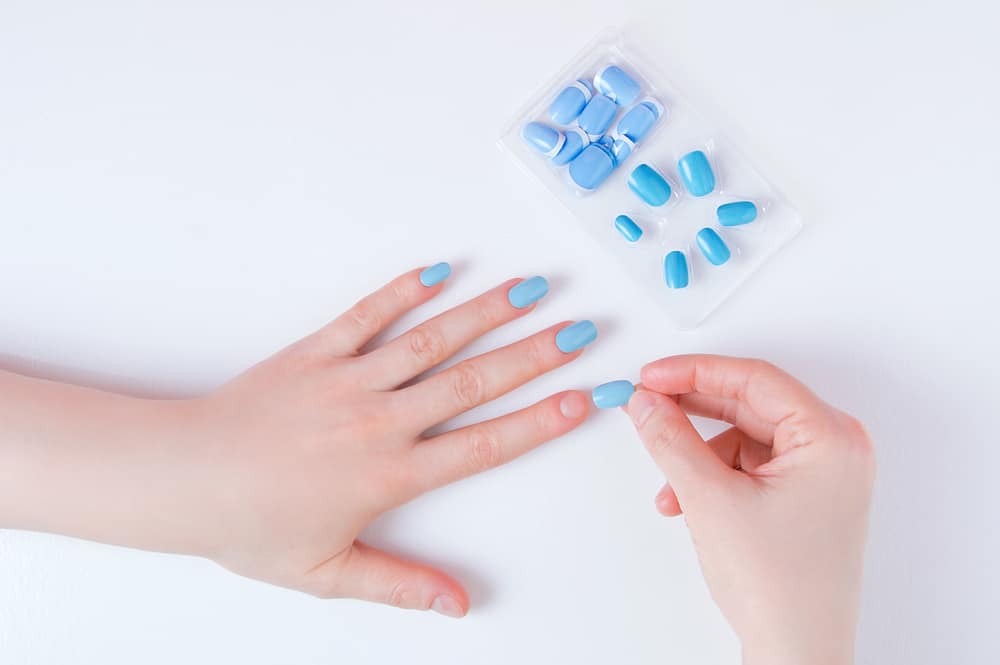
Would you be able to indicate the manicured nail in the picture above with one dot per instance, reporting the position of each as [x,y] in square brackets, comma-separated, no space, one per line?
[529,291]
[436,274]
[573,405]
[612,394]
[576,336]
[640,407]
[447,606]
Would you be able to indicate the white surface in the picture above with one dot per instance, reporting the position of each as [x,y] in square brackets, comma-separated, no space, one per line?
[184,189]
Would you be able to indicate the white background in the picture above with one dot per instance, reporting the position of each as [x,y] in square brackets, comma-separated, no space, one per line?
[185,187]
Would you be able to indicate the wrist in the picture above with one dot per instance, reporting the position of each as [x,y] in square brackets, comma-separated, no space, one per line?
[800,650]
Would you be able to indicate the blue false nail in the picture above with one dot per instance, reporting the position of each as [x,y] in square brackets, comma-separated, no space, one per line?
[546,140]
[592,166]
[576,141]
[712,246]
[737,213]
[435,274]
[616,84]
[597,115]
[576,336]
[675,270]
[612,394]
[567,106]
[628,228]
[529,291]
[696,173]
[649,185]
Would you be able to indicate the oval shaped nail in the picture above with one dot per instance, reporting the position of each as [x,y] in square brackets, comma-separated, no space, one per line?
[611,394]
[696,173]
[712,246]
[649,185]
[736,213]
[568,104]
[546,140]
[592,166]
[527,292]
[576,336]
[617,85]
[576,141]
[628,228]
[435,274]
[675,270]
[597,115]
[638,121]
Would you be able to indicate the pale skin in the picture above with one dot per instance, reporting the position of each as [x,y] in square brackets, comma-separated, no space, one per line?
[276,473]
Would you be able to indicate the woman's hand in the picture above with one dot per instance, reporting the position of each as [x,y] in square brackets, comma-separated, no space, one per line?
[777,505]
[274,475]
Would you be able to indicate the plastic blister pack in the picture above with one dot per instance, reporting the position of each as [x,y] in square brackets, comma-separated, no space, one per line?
[655,181]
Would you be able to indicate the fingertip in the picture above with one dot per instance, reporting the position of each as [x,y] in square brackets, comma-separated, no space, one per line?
[574,406]
[641,405]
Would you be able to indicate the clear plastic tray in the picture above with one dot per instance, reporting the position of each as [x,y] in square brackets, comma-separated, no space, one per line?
[673,226]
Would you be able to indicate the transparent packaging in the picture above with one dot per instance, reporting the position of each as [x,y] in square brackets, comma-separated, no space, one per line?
[672,226]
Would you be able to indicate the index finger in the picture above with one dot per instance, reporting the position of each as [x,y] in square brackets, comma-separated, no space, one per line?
[769,393]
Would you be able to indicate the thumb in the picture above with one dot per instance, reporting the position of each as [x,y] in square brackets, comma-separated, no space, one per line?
[674,444]
[366,573]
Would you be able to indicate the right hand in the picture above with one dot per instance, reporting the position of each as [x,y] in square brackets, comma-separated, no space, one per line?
[777,505]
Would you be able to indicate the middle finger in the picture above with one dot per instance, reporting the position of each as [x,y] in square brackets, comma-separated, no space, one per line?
[484,378]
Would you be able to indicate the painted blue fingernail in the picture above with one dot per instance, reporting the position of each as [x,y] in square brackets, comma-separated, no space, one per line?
[530,290]
[576,336]
[638,121]
[597,115]
[576,141]
[712,246]
[592,166]
[567,106]
[649,185]
[696,173]
[675,270]
[628,228]
[436,274]
[617,85]
[736,213]
[611,394]
[546,140]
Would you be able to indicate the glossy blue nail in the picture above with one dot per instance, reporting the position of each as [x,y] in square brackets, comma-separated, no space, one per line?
[675,270]
[435,274]
[638,121]
[543,138]
[576,336]
[712,246]
[649,185]
[611,394]
[696,173]
[736,213]
[529,291]
[576,141]
[616,84]
[628,228]
[592,166]
[597,115]
[567,106]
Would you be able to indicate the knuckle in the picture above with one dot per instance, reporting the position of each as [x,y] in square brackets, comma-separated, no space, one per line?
[537,355]
[366,317]
[489,311]
[400,290]
[484,450]
[427,345]
[467,385]
[398,595]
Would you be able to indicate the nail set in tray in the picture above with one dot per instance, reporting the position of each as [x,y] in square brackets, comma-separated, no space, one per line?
[652,179]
